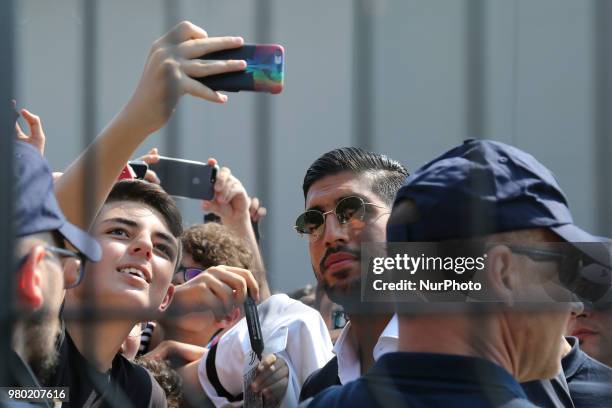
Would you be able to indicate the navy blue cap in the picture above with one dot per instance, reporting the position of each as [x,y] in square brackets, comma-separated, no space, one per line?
[483,187]
[37,209]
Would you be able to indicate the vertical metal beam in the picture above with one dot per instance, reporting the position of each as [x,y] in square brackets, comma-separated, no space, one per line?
[515,73]
[89,92]
[363,72]
[7,130]
[173,146]
[602,94]
[475,91]
[475,81]
[262,118]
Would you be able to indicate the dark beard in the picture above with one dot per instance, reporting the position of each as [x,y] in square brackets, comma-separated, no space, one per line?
[349,297]
[40,336]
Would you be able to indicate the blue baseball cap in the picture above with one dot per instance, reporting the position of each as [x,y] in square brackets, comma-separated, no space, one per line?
[483,187]
[37,209]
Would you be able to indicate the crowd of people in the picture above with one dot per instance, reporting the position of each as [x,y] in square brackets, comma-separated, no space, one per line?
[125,306]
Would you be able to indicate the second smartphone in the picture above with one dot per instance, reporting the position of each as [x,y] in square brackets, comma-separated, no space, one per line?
[186,178]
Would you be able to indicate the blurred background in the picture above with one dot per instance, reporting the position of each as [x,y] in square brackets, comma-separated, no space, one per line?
[409,78]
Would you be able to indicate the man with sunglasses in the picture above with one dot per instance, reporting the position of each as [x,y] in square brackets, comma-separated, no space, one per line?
[348,194]
[44,267]
[475,354]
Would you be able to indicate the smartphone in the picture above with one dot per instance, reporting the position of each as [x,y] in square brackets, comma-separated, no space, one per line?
[140,168]
[127,173]
[264,71]
[186,178]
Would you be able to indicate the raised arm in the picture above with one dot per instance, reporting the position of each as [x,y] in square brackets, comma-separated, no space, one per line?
[233,205]
[166,77]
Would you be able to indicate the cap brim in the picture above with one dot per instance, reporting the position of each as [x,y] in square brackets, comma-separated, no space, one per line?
[596,248]
[82,241]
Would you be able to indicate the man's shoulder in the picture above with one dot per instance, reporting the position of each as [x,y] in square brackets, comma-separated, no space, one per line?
[592,369]
[367,392]
[321,379]
[590,382]
[402,379]
[354,394]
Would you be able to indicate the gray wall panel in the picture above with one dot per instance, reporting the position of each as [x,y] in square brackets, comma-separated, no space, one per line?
[555,96]
[538,89]
[311,117]
[420,107]
[48,72]
[221,131]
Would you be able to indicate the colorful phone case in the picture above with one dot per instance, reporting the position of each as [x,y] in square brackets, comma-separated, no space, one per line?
[264,72]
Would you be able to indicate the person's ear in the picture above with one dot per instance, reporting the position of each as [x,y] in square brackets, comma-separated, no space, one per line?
[502,279]
[30,279]
[71,272]
[167,299]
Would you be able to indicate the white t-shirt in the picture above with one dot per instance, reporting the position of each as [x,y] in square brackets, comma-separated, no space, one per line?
[290,329]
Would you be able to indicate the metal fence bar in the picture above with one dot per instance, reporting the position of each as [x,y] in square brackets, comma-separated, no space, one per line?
[173,146]
[7,130]
[89,76]
[475,81]
[89,95]
[262,118]
[602,126]
[515,68]
[362,76]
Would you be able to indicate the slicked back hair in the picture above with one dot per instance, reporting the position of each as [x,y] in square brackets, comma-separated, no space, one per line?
[387,175]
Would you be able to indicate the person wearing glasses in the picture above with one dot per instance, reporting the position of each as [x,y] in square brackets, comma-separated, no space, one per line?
[45,268]
[499,198]
[348,194]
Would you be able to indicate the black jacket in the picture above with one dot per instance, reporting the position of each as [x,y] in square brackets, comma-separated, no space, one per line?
[321,379]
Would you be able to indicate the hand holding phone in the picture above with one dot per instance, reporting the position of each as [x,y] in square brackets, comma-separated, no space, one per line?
[186,178]
[264,71]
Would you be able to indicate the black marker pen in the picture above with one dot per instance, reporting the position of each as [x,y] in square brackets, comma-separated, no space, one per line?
[252,319]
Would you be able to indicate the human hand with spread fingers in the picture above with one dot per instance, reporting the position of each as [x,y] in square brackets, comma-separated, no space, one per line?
[170,71]
[36,137]
[219,289]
